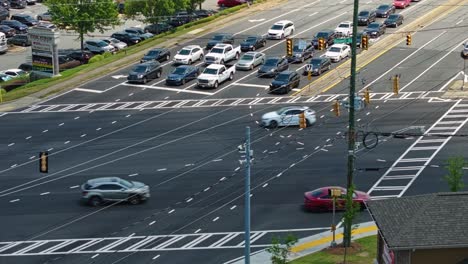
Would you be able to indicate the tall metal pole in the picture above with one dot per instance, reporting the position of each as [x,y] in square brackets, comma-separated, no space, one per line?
[247,196]
[351,130]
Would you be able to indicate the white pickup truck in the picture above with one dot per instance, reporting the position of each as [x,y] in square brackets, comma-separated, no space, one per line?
[214,75]
[222,53]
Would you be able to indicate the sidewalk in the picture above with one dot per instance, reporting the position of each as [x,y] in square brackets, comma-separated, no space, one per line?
[312,244]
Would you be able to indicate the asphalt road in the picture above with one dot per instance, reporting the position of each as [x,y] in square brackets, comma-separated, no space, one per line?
[188,155]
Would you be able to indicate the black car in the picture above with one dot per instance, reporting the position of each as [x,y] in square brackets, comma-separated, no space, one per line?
[327,34]
[158,54]
[19,4]
[158,28]
[82,56]
[182,74]
[220,38]
[181,18]
[25,19]
[394,20]
[285,82]
[253,42]
[139,32]
[365,17]
[202,13]
[302,50]
[317,66]
[384,10]
[5,4]
[20,40]
[143,72]
[375,30]
[18,26]
[8,31]
[273,66]
[128,38]
[4,13]
[27,67]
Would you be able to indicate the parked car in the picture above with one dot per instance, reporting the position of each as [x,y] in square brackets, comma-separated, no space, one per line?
[128,38]
[328,35]
[375,30]
[365,17]
[158,54]
[5,77]
[394,20]
[230,3]
[158,28]
[139,32]
[20,40]
[202,13]
[181,18]
[214,75]
[25,19]
[252,43]
[98,46]
[4,13]
[273,66]
[5,4]
[189,54]
[384,10]
[46,16]
[66,62]
[143,72]
[321,199]
[401,3]
[250,60]
[284,82]
[8,31]
[31,2]
[288,116]
[221,38]
[318,66]
[281,29]
[464,52]
[182,74]
[82,57]
[15,73]
[302,50]
[46,24]
[113,189]
[27,67]
[117,44]
[18,26]
[222,53]
[337,52]
[345,28]
[19,4]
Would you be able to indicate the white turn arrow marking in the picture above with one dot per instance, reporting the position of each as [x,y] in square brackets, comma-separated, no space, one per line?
[119,76]
[256,20]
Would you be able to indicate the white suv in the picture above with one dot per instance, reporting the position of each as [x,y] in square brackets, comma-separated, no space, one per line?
[281,29]
[189,54]
[288,116]
[345,28]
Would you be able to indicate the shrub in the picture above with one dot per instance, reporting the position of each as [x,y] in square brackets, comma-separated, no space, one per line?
[96,58]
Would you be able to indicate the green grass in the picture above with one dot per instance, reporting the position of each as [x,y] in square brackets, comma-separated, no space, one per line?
[365,256]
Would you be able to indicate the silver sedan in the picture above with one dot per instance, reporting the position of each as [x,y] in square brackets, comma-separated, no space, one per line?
[250,60]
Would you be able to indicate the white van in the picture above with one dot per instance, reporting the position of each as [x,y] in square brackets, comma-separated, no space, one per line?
[3,43]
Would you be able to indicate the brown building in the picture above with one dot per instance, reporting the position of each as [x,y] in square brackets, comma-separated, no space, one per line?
[422,229]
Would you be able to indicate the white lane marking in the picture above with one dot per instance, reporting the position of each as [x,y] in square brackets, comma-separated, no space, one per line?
[189,200]
[171,211]
[14,165]
[216,219]
[381,160]
[94,256]
[169,89]
[29,137]
[251,85]
[133,175]
[45,131]
[84,135]
[74,186]
[76,118]
[45,193]
[189,164]
[128,115]
[313,14]
[256,20]
[14,200]
[152,223]
[131,94]
[196,231]
[459,22]
[116,100]
[113,122]
[50,149]
[206,189]
[216,160]
[163,169]
[233,207]
[265,185]
[66,142]
[61,124]
[157,256]
[450,81]
[32,157]
[97,129]
[222,179]
[279,175]
[11,144]
[88,90]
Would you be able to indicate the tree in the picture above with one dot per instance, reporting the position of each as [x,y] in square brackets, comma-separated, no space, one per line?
[154,11]
[195,3]
[454,177]
[84,16]
[280,250]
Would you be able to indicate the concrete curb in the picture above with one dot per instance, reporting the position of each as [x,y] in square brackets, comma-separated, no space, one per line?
[114,66]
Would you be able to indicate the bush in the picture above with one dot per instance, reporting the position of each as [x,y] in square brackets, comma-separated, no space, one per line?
[107,54]
[96,58]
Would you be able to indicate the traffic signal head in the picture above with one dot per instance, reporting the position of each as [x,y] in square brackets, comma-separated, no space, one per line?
[321,43]
[336,107]
[309,75]
[367,96]
[364,42]
[43,162]
[408,39]
[396,84]
[289,47]
[302,120]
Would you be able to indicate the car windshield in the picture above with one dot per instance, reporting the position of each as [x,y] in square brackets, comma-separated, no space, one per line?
[282,77]
[210,71]
[217,50]
[139,69]
[179,71]
[322,35]
[154,53]
[383,7]
[125,183]
[315,62]
[218,37]
[101,44]
[364,13]
[247,57]
[335,49]
[277,27]
[372,25]
[393,17]
[316,193]
[343,25]
[298,48]
[114,40]
[282,110]
[184,52]
[251,39]
[271,62]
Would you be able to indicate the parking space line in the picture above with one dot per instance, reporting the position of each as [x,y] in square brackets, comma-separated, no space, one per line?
[88,90]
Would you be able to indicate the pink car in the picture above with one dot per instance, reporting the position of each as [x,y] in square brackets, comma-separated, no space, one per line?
[320,199]
[401,3]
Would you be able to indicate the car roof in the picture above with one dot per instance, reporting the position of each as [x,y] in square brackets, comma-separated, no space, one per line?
[346,22]
[287,72]
[103,180]
[222,45]
[14,70]
[191,47]
[147,63]
[253,53]
[326,31]
[339,45]
[223,34]
[21,15]
[215,66]
[293,107]
[283,22]
[185,67]
[274,58]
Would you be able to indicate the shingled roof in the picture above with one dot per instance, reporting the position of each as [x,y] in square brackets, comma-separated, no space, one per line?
[438,220]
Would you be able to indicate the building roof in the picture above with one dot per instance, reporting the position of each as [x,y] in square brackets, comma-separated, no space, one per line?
[435,220]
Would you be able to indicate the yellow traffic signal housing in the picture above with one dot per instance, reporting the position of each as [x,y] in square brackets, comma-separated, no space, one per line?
[309,75]
[364,42]
[336,107]
[289,47]
[396,84]
[408,39]
[321,43]
[43,162]
[367,96]
[302,120]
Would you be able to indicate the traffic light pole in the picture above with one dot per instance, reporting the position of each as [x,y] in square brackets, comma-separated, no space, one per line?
[351,129]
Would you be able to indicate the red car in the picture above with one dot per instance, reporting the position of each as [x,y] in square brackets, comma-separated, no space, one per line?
[321,200]
[401,3]
[230,3]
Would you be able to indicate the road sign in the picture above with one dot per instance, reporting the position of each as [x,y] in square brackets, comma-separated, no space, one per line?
[308,67]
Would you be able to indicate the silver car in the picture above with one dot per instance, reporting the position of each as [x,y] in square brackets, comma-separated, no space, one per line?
[250,60]
[98,46]
[117,44]
[113,189]
[47,16]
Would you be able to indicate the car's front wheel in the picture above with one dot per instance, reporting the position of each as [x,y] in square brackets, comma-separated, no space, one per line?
[273,124]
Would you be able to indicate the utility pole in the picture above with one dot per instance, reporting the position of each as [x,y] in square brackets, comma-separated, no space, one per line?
[351,131]
[247,196]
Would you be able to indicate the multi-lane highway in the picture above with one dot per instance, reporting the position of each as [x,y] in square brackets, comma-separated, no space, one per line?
[182,141]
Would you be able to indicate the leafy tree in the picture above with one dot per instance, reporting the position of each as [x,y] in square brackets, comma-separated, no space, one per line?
[280,250]
[196,3]
[84,16]
[154,11]
[350,213]
[454,177]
